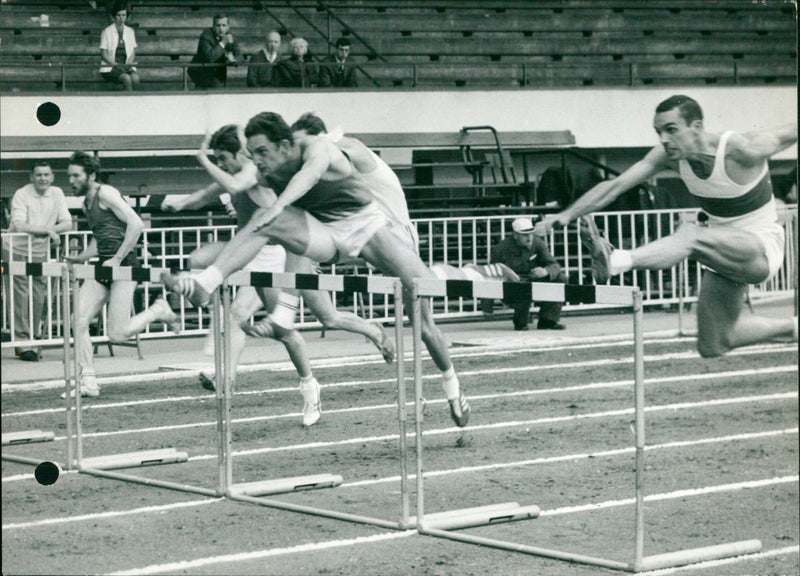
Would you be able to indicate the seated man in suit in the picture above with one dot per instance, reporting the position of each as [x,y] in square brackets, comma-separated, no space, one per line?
[527,255]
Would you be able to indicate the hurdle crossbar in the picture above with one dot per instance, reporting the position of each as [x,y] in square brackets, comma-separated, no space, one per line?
[253,492]
[443,524]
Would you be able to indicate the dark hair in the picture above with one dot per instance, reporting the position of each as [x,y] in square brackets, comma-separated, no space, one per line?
[688,107]
[89,163]
[311,123]
[219,17]
[119,7]
[342,42]
[271,125]
[226,139]
[40,164]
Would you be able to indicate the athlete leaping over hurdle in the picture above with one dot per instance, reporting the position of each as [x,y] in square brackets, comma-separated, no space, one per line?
[743,243]
[324,211]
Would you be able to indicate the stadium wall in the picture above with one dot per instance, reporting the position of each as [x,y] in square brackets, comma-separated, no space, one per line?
[599,118]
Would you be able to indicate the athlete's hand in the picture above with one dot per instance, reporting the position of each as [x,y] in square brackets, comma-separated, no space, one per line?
[538,273]
[548,223]
[114,261]
[204,150]
[55,239]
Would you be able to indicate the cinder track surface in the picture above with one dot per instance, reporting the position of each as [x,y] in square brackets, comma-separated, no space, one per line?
[550,426]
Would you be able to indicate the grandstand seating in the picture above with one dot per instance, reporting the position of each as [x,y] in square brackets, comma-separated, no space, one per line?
[504,43]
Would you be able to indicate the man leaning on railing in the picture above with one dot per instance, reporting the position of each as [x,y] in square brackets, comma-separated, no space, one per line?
[38,209]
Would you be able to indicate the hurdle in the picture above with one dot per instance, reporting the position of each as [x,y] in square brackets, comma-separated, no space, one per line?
[254,492]
[443,524]
[103,466]
[52,270]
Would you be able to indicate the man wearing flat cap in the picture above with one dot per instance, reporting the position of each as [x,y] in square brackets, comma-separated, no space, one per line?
[527,255]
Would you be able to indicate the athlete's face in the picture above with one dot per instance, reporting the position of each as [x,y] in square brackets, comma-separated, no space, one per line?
[42,177]
[79,180]
[227,161]
[676,136]
[267,155]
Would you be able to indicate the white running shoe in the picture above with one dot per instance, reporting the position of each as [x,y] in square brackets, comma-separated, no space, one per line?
[89,387]
[311,402]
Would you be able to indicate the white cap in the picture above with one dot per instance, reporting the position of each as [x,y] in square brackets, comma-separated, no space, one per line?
[522,225]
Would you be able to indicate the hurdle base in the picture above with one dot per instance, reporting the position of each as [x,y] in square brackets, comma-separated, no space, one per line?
[697,555]
[26,437]
[480,516]
[134,459]
[284,485]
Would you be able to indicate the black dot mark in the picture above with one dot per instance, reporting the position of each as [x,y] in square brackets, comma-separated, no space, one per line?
[47,473]
[48,114]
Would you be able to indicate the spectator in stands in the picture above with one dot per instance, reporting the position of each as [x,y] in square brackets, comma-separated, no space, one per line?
[297,71]
[336,71]
[527,255]
[40,210]
[259,69]
[118,51]
[217,49]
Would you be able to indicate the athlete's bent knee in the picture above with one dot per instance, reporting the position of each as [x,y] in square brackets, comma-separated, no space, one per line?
[118,337]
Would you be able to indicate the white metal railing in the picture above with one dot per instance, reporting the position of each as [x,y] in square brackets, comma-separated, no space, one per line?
[454,241]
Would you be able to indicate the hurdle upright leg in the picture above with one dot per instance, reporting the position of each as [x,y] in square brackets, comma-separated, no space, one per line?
[256,492]
[402,410]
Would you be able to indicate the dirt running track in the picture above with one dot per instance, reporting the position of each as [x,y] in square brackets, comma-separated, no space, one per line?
[550,427]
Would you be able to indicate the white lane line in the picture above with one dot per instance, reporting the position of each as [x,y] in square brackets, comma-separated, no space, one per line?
[455,430]
[259,554]
[703,491]
[514,424]
[113,514]
[318,546]
[582,456]
[693,379]
[382,381]
[160,377]
[725,561]
[436,473]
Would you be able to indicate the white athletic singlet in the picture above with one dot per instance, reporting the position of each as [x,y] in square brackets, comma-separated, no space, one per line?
[749,207]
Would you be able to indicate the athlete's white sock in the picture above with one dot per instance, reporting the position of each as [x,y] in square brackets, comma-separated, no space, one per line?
[619,262]
[210,278]
[308,388]
[450,384]
[285,310]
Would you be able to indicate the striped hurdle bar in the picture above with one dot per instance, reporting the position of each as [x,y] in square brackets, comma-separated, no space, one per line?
[443,524]
[52,270]
[254,492]
[103,466]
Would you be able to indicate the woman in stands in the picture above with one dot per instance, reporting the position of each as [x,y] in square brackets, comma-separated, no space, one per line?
[118,51]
